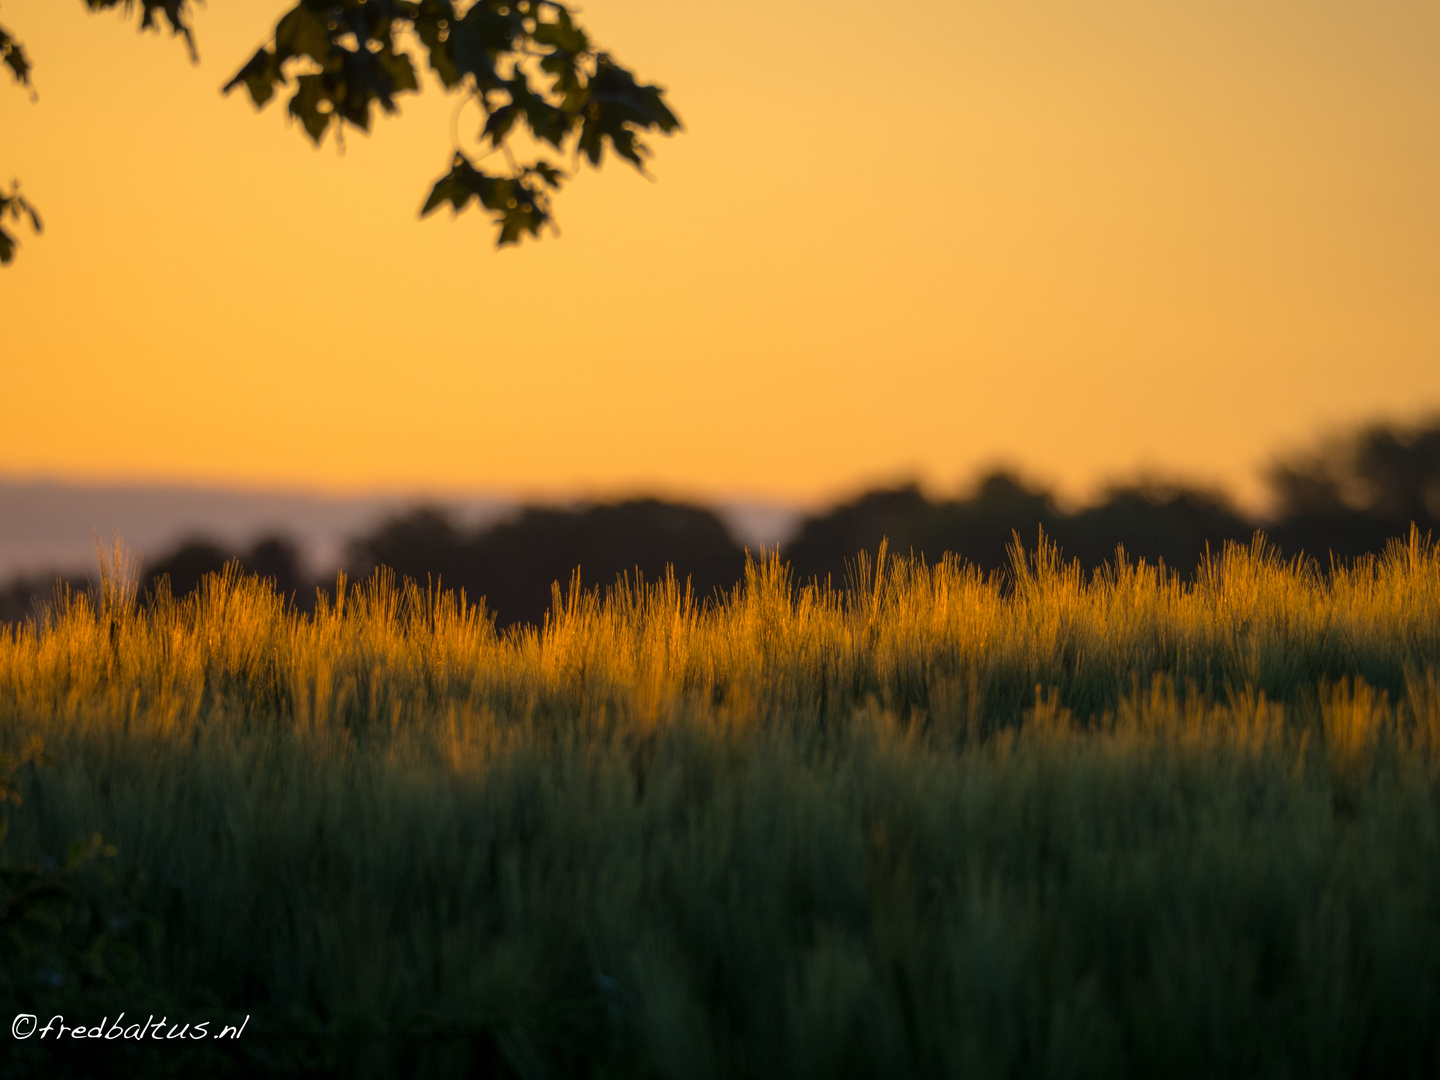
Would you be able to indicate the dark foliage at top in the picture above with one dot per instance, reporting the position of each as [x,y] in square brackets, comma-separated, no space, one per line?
[526,64]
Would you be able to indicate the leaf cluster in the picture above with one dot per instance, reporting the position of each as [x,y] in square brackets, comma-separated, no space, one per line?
[15,206]
[526,64]
[174,12]
[12,55]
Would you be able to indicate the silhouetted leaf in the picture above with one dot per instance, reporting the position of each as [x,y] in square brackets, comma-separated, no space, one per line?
[478,40]
[360,84]
[434,34]
[301,33]
[13,55]
[500,123]
[562,34]
[307,104]
[457,187]
[548,173]
[401,71]
[176,13]
[259,76]
[519,206]
[16,207]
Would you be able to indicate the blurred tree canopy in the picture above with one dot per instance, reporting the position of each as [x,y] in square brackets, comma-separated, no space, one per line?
[1359,487]
[1390,472]
[514,564]
[532,70]
[1338,500]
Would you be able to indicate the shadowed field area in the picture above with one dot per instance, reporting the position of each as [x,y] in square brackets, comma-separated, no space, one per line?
[932,823]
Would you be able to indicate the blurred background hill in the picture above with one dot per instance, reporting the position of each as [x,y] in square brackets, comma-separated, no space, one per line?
[1345,495]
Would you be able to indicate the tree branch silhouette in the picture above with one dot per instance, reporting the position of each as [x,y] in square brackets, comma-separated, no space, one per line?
[532,70]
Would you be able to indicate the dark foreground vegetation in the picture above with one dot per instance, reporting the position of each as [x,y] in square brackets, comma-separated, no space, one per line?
[1342,499]
[937,823]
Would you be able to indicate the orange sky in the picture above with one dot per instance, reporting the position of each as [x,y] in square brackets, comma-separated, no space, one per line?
[901,239]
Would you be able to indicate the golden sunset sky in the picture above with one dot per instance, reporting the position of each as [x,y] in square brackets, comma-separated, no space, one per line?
[901,239]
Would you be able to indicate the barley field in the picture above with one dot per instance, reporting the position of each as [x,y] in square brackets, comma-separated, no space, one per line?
[922,822]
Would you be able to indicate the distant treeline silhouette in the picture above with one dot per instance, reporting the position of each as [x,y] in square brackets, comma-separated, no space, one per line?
[1343,498]
[514,563]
